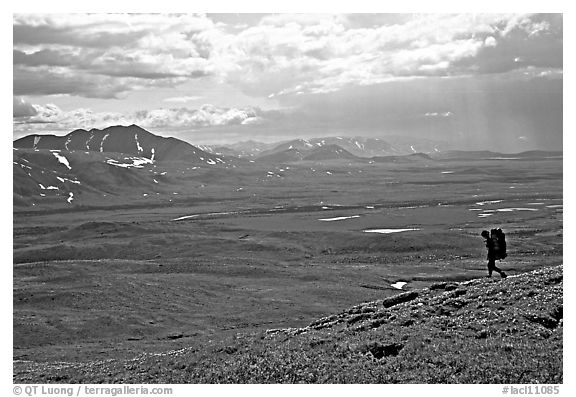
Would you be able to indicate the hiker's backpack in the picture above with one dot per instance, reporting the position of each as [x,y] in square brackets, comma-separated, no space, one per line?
[499,239]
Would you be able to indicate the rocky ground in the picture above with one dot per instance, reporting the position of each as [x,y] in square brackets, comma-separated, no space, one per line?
[486,330]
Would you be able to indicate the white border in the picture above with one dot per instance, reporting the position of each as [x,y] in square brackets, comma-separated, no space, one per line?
[60,6]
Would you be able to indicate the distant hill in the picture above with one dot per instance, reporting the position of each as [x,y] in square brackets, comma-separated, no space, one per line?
[357,146]
[329,152]
[65,178]
[302,152]
[489,155]
[285,156]
[84,167]
[410,158]
[365,147]
[131,140]
[296,145]
[332,152]
[466,154]
[540,154]
[248,148]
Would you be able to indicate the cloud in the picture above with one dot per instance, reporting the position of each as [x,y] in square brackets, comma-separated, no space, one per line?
[106,55]
[45,57]
[438,114]
[534,41]
[105,30]
[44,81]
[474,112]
[126,64]
[55,119]
[21,108]
[548,73]
[292,55]
[182,99]
[205,116]
[490,42]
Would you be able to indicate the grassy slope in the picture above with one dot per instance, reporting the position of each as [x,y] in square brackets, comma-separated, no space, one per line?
[480,331]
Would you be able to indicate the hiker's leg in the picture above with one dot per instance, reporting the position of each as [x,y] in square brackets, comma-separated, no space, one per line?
[498,270]
[490,267]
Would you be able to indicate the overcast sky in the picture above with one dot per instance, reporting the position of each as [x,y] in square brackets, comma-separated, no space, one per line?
[480,81]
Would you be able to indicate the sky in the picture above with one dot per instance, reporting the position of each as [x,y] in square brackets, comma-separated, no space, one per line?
[476,81]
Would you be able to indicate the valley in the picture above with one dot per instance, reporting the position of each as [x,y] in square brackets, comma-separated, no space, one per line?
[163,255]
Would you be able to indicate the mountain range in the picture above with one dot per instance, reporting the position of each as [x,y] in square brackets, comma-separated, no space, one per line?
[131,140]
[357,146]
[85,166]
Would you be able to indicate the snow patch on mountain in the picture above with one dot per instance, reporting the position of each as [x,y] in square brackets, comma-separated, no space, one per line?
[140,150]
[88,141]
[22,165]
[62,159]
[102,143]
[130,162]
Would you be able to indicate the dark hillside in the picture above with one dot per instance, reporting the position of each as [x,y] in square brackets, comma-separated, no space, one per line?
[131,140]
[480,331]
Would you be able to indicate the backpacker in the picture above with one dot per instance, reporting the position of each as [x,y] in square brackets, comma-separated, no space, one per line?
[499,239]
